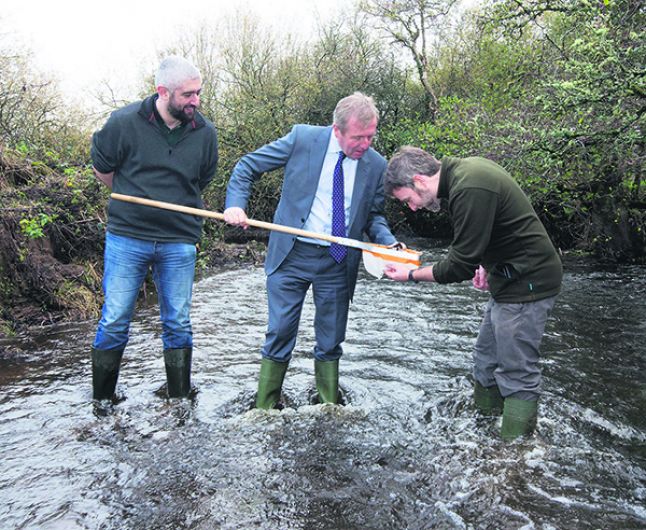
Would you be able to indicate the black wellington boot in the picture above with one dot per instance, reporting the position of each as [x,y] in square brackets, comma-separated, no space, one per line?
[105,371]
[178,371]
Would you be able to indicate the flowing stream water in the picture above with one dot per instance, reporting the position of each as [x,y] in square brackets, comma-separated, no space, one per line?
[407,450]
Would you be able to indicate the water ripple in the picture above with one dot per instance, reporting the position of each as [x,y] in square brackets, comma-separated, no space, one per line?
[408,451]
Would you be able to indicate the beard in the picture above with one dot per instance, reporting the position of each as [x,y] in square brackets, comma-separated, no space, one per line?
[431,203]
[433,206]
[183,114]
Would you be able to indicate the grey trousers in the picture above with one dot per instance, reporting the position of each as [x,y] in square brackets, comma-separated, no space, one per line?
[507,348]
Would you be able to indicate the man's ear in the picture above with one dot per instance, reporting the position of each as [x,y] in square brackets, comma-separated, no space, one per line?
[419,181]
[163,92]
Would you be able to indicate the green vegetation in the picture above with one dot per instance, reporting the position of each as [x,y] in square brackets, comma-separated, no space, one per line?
[551,89]
[33,227]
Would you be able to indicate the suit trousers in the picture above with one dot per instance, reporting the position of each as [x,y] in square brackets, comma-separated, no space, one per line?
[307,265]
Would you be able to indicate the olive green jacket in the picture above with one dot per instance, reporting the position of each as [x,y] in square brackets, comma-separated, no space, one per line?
[494,225]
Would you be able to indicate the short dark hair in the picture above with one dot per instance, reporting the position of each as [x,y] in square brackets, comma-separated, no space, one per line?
[407,162]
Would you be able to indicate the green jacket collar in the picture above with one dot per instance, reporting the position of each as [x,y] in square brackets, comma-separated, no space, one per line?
[448,162]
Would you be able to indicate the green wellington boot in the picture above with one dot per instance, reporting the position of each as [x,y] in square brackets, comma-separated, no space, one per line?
[178,371]
[518,418]
[488,399]
[105,371]
[270,383]
[326,374]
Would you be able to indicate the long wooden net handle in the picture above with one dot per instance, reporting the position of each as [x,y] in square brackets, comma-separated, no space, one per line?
[385,253]
[220,216]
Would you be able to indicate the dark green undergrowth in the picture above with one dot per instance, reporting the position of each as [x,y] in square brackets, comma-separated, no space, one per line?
[554,91]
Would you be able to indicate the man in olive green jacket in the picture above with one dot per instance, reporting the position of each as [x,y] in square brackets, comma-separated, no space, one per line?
[499,243]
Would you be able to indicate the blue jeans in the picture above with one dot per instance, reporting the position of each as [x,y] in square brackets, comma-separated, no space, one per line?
[127,261]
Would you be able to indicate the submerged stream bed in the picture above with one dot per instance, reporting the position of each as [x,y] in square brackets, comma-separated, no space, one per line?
[407,451]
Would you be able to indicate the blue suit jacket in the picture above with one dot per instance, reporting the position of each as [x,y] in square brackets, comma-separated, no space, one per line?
[301,153]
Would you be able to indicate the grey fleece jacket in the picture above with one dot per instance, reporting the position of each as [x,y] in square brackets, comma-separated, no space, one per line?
[133,145]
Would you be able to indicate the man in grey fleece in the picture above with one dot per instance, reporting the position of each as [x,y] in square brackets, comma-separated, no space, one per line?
[163,149]
[499,242]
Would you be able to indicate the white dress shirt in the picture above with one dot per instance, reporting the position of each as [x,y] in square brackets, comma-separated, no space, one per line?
[320,217]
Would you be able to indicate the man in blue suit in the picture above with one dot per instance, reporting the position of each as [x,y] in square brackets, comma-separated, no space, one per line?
[333,184]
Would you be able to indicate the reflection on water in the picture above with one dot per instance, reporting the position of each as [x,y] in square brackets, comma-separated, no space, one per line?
[408,451]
